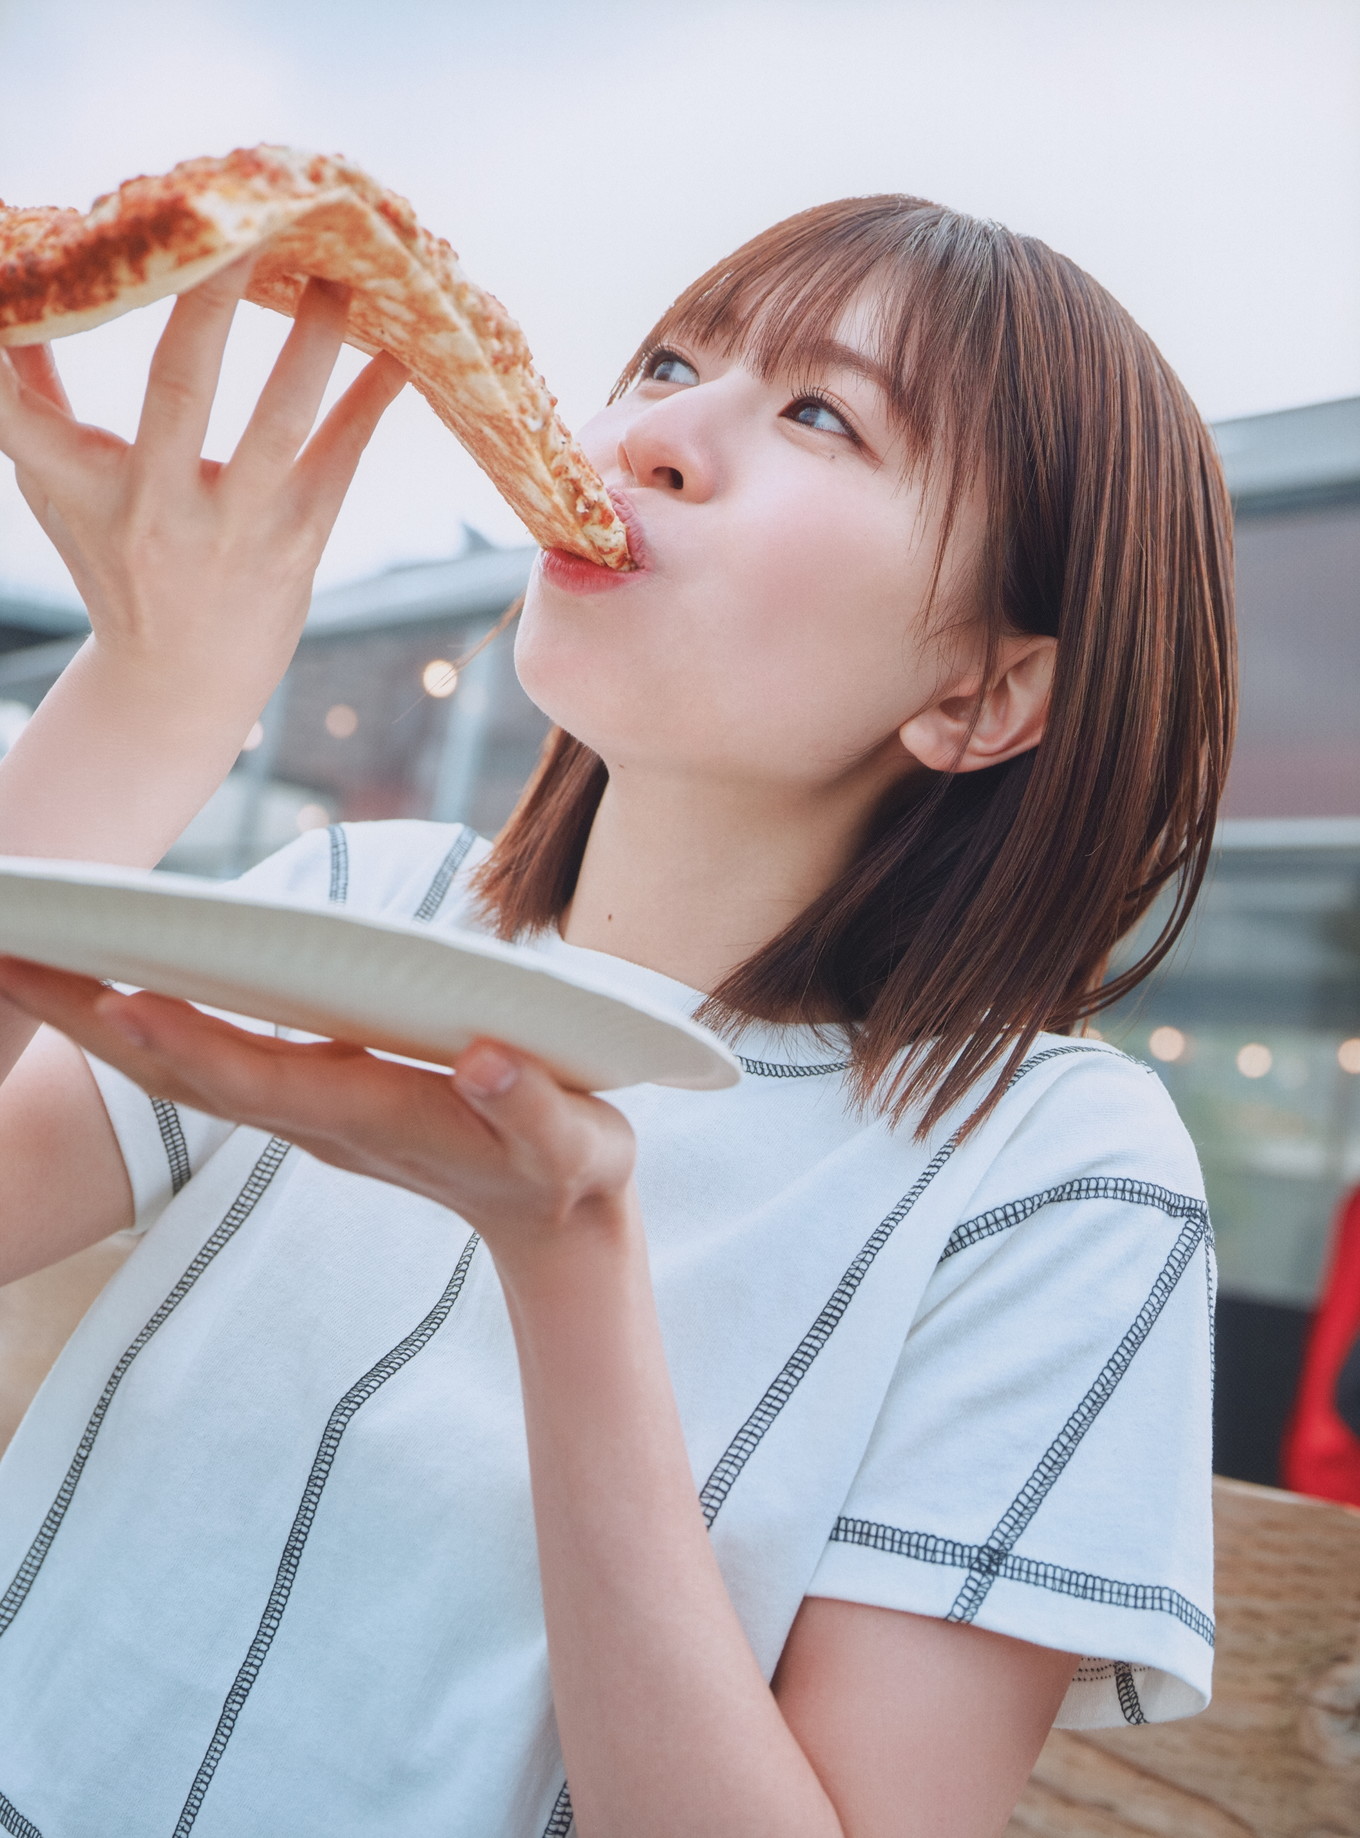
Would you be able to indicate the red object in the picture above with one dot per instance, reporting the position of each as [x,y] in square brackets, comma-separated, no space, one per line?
[1321,1455]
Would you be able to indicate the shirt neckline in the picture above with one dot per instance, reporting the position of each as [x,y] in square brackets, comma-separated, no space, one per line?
[762,1046]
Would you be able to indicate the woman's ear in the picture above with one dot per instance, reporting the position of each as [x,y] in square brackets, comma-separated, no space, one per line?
[1010,719]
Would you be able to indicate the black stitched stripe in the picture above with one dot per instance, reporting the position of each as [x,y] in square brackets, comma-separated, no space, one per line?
[1128,1694]
[172,1139]
[443,879]
[1090,1187]
[743,1445]
[796,1367]
[747,1439]
[560,1823]
[1076,1046]
[12,1820]
[927,1548]
[1094,1671]
[339,887]
[782,1069]
[266,1167]
[338,1422]
[1064,1445]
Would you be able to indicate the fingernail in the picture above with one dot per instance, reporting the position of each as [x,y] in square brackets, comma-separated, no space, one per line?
[123,1019]
[487,1073]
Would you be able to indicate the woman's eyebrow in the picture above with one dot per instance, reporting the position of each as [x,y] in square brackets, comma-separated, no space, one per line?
[833,355]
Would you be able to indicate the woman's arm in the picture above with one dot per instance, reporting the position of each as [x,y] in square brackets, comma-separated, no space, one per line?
[197,578]
[880,1725]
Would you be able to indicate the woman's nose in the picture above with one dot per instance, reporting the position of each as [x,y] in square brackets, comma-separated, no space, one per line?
[662,449]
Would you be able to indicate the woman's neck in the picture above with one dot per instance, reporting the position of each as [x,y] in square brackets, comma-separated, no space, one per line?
[689,877]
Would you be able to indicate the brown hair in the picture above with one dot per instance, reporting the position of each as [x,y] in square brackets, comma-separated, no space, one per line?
[983,906]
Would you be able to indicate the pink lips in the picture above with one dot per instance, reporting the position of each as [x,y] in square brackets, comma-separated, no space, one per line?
[576,576]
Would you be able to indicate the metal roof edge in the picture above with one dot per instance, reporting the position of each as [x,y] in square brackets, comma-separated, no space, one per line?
[1292,457]
[1288,833]
[29,612]
[478,584]
[35,665]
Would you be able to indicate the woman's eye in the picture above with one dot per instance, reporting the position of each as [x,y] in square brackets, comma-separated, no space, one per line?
[666,367]
[813,412]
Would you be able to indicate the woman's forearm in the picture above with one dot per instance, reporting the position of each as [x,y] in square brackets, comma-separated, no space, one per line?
[121,754]
[666,1723]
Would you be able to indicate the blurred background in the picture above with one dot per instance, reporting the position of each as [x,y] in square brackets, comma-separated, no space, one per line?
[1200,157]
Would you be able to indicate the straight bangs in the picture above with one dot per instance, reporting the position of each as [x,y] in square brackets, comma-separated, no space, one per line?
[984,906]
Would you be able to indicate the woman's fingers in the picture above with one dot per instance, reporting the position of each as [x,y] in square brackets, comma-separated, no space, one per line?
[336,1100]
[327,466]
[288,404]
[177,1051]
[37,370]
[34,430]
[567,1141]
[388,1121]
[185,370]
[62,999]
[500,1142]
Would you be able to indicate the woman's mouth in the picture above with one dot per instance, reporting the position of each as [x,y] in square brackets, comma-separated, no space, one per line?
[574,575]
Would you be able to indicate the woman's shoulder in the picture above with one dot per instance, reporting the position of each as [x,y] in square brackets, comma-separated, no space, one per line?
[396,868]
[1081,1111]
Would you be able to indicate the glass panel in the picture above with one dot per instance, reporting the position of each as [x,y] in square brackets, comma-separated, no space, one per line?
[1249,1028]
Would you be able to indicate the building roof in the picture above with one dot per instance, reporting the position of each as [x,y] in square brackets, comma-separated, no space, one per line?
[1295,458]
[478,584]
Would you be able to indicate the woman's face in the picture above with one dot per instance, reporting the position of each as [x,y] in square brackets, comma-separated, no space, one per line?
[777,630]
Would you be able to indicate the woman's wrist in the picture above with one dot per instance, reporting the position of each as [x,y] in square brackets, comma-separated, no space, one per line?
[188,683]
[599,1240]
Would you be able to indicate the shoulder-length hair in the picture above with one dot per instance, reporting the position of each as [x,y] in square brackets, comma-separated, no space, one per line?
[984,905]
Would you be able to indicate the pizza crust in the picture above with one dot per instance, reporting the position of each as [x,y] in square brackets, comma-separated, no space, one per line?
[302,214]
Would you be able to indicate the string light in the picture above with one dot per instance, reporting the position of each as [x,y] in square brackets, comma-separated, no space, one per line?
[253,739]
[341,721]
[1167,1043]
[1254,1060]
[1348,1055]
[313,817]
[439,678]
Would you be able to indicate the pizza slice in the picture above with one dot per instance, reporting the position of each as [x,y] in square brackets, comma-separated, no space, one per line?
[305,214]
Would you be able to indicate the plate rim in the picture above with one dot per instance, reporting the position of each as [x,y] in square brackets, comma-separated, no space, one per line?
[162,883]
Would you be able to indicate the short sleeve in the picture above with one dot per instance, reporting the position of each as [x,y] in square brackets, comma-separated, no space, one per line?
[1042,1463]
[164,1144]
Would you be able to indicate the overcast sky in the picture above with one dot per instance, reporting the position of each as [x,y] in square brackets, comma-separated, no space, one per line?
[1200,157]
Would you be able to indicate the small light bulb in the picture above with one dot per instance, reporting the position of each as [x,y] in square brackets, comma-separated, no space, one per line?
[1254,1060]
[439,678]
[1348,1055]
[1167,1043]
[313,817]
[253,739]
[341,721]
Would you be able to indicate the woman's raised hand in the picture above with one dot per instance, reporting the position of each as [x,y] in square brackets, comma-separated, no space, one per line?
[186,563]
[196,574]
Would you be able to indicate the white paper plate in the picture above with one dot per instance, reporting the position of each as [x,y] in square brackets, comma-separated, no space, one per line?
[381,983]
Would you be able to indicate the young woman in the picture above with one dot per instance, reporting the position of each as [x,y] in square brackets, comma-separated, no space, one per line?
[781,1461]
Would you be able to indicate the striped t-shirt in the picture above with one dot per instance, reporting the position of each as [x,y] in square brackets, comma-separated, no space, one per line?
[268,1551]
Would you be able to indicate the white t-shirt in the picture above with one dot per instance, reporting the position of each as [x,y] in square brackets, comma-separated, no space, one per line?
[268,1521]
